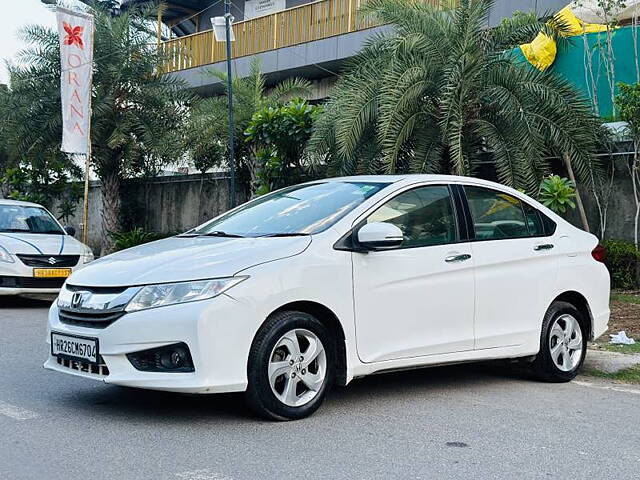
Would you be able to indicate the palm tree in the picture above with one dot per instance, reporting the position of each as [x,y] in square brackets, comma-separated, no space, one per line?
[136,110]
[442,91]
[207,131]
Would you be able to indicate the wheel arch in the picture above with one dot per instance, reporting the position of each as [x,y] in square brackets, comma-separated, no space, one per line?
[582,305]
[325,315]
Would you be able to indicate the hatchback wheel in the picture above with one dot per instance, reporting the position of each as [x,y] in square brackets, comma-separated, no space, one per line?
[563,344]
[291,366]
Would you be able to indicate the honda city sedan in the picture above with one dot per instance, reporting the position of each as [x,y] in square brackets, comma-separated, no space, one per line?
[331,280]
[36,253]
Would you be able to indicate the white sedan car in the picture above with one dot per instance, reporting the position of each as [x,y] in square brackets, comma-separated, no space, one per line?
[331,280]
[36,253]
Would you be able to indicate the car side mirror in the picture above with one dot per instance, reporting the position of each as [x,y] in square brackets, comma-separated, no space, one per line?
[380,235]
[70,230]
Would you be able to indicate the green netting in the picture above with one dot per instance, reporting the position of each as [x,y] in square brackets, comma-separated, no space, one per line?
[571,63]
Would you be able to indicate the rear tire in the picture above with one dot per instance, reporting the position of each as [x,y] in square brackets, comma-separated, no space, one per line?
[563,344]
[291,366]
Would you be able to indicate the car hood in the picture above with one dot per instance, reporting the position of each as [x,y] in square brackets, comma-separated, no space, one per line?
[40,244]
[179,259]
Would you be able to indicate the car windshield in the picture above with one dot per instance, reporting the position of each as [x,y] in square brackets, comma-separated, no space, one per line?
[299,210]
[27,219]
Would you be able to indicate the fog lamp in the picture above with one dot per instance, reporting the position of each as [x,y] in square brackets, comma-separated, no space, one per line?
[174,358]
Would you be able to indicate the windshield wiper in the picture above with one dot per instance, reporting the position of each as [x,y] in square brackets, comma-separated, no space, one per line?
[216,233]
[219,233]
[292,234]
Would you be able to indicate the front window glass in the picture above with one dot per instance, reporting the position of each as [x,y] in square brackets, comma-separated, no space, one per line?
[496,215]
[302,209]
[425,216]
[21,219]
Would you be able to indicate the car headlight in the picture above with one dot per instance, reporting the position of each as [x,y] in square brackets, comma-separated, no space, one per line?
[87,255]
[64,297]
[5,256]
[163,294]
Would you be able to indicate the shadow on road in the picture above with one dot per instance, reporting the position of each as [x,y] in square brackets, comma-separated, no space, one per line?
[130,404]
[26,302]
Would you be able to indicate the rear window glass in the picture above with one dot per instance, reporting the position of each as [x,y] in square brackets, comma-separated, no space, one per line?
[534,221]
[496,215]
[499,215]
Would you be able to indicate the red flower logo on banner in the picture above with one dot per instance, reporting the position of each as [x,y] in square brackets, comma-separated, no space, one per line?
[73,36]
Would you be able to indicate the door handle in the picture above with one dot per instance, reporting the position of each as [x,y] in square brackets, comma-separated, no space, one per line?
[546,246]
[457,258]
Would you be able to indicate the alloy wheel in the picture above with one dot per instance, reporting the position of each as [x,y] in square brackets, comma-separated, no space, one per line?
[565,342]
[297,367]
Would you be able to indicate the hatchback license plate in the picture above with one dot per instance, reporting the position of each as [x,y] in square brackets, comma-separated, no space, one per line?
[51,272]
[74,348]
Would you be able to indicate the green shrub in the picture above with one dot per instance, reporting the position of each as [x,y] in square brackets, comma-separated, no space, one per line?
[623,262]
[132,238]
[279,135]
[557,193]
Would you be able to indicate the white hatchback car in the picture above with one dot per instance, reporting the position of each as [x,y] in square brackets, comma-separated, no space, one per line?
[331,280]
[36,253]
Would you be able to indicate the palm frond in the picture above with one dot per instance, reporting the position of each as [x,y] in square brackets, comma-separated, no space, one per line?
[290,88]
[438,92]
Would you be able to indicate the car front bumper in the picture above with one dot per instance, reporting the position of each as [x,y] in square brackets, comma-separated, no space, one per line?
[218,333]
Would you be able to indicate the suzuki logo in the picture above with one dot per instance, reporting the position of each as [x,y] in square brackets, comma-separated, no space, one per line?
[52,260]
[76,299]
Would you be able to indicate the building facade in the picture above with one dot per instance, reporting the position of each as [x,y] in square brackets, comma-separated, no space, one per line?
[310,39]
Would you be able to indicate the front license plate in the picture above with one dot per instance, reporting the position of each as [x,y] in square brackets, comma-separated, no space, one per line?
[74,348]
[51,272]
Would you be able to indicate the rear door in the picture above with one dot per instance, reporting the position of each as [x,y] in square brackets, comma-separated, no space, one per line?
[416,299]
[516,267]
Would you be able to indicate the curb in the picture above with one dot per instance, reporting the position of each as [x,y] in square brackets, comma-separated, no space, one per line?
[609,362]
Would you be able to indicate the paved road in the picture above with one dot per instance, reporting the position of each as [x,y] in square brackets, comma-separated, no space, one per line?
[462,422]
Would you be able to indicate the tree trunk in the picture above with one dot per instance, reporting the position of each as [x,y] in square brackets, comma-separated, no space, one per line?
[254,181]
[5,190]
[110,210]
[636,195]
[583,214]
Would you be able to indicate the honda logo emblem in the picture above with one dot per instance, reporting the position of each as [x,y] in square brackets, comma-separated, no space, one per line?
[76,299]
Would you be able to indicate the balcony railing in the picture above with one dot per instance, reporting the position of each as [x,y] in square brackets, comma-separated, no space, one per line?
[306,23]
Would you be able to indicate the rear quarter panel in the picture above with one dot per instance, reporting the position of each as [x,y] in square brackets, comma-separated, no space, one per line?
[580,272]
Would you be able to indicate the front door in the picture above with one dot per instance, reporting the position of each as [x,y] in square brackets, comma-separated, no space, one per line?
[416,299]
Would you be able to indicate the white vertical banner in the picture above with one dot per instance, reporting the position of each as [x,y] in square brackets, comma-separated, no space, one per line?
[76,54]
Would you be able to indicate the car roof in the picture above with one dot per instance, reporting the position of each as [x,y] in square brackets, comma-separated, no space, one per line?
[416,178]
[5,201]
[419,178]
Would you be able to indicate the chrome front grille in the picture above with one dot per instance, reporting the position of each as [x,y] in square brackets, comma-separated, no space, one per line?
[88,320]
[49,261]
[93,307]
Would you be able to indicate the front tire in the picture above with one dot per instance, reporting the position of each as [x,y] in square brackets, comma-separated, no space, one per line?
[291,366]
[563,344]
